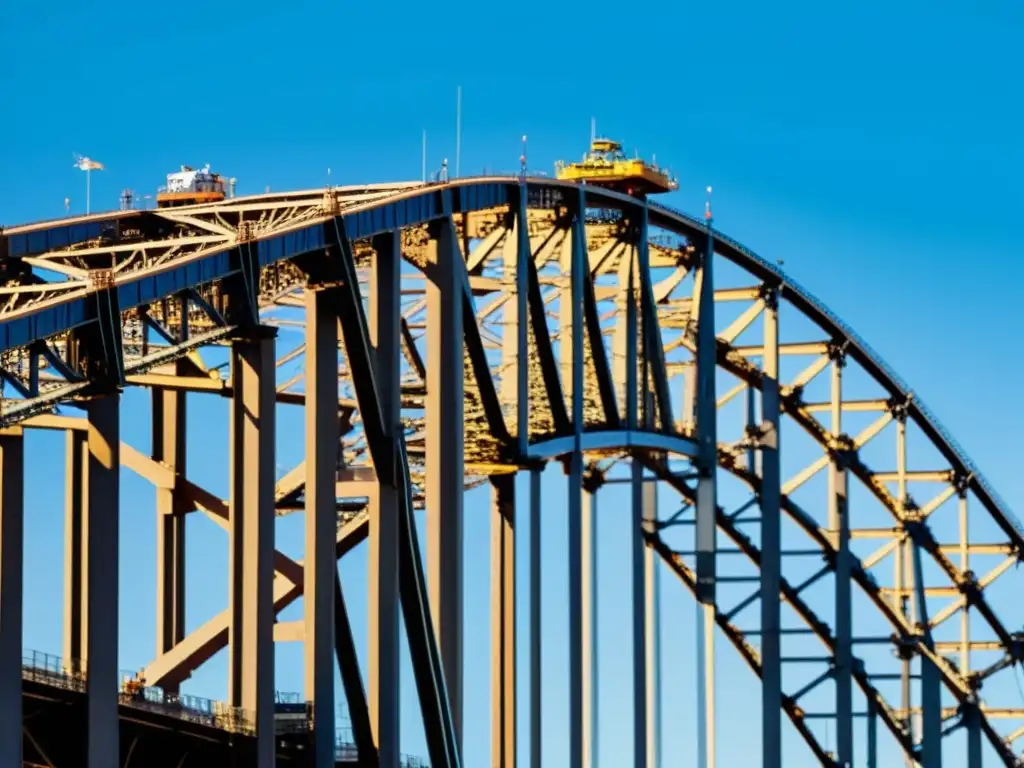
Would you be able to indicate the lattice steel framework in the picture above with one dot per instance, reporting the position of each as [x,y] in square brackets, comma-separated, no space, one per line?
[454,335]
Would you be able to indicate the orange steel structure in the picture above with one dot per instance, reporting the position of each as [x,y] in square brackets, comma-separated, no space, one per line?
[456,335]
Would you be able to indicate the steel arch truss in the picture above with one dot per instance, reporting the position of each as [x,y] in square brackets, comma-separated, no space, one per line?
[581,318]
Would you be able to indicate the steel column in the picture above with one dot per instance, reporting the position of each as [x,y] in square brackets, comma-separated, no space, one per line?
[771,544]
[169,448]
[624,368]
[444,458]
[100,569]
[383,626]
[707,429]
[652,631]
[931,690]
[579,584]
[872,747]
[576,623]
[535,622]
[320,564]
[641,615]
[251,533]
[588,617]
[516,257]
[503,622]
[965,564]
[973,738]
[76,465]
[707,497]
[839,524]
[12,510]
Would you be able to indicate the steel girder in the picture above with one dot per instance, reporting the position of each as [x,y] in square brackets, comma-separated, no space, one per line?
[174,275]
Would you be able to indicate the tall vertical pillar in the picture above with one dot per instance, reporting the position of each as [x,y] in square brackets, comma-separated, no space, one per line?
[872,745]
[839,523]
[503,622]
[974,737]
[965,564]
[707,499]
[444,460]
[169,448]
[382,667]
[12,463]
[640,618]
[903,582]
[579,587]
[100,565]
[588,649]
[515,349]
[535,621]
[771,543]
[321,521]
[576,621]
[251,533]
[76,463]
[652,631]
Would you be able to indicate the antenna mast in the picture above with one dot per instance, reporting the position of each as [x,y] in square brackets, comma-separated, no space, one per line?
[424,155]
[458,129]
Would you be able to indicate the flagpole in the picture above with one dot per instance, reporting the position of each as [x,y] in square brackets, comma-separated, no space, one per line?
[88,165]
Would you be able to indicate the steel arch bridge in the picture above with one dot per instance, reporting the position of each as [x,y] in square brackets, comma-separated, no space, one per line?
[457,334]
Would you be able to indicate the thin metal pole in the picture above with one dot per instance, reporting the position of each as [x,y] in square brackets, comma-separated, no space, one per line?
[424,155]
[458,129]
[535,626]
[88,189]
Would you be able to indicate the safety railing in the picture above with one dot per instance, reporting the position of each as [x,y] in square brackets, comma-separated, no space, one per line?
[291,711]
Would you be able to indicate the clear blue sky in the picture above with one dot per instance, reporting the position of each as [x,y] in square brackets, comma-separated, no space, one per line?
[876,149]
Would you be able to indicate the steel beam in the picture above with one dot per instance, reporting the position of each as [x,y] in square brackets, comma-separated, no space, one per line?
[251,532]
[839,524]
[503,622]
[383,626]
[588,614]
[536,732]
[444,459]
[872,745]
[352,679]
[654,351]
[100,581]
[12,513]
[707,498]
[576,622]
[931,684]
[973,738]
[524,259]
[319,568]
[771,543]
[76,465]
[580,671]
[640,617]
[169,448]
[652,630]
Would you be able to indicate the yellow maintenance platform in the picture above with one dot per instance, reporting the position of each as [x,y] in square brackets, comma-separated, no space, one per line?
[605,165]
